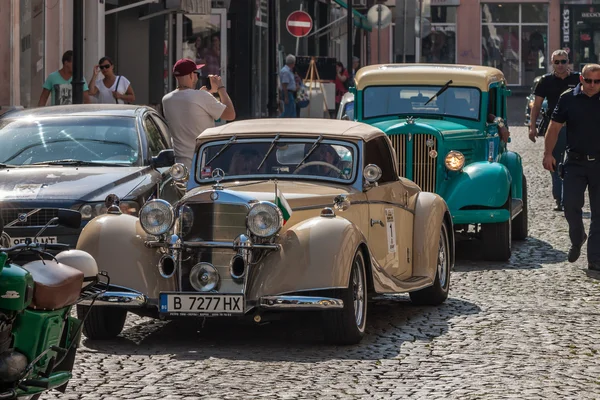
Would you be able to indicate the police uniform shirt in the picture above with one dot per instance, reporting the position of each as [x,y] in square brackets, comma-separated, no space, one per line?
[582,115]
[551,87]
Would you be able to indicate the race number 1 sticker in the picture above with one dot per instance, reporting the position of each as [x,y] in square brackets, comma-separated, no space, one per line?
[390,227]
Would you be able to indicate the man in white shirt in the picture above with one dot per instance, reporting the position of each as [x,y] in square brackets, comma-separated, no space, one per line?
[189,112]
[288,87]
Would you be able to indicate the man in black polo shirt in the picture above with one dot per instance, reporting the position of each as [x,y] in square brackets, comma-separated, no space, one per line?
[579,108]
[551,86]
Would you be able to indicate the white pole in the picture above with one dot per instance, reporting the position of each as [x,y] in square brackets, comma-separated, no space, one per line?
[378,33]
[404,37]
[298,39]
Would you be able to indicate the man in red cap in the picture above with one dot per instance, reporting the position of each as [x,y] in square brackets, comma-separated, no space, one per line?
[189,112]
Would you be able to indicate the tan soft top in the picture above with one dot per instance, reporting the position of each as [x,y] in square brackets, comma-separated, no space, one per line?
[299,126]
[428,74]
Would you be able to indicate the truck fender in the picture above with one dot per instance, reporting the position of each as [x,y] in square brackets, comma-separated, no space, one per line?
[512,161]
[116,241]
[431,211]
[315,254]
[482,183]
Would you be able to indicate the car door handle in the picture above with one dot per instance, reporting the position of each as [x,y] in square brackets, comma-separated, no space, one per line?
[376,221]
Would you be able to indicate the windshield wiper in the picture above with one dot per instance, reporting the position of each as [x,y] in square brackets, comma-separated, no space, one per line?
[222,149]
[71,161]
[2,165]
[442,90]
[268,152]
[314,146]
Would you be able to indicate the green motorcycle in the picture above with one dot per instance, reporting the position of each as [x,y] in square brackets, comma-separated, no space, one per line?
[38,335]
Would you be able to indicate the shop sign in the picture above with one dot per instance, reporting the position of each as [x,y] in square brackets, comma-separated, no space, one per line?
[566,26]
[443,28]
[202,7]
[445,2]
[589,13]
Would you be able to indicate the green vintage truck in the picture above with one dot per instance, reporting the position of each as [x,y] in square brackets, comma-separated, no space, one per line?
[444,123]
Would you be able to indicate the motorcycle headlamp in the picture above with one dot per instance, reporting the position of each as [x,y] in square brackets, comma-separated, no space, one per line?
[264,219]
[455,160]
[157,217]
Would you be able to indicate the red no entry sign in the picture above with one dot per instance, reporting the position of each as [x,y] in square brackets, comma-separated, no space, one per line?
[299,23]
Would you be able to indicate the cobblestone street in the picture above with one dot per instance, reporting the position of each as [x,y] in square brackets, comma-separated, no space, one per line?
[527,329]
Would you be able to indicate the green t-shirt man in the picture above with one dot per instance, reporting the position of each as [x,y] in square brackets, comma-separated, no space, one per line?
[61,89]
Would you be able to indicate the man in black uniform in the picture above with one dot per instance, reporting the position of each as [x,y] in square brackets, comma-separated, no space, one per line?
[579,108]
[551,86]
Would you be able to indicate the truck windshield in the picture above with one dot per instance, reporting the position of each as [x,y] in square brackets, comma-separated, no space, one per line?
[458,102]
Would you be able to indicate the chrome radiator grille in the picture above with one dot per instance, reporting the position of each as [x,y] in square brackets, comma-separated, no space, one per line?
[217,222]
[28,216]
[399,143]
[422,167]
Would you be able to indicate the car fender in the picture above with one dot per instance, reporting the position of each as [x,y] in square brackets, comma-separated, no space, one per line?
[116,241]
[513,162]
[315,254]
[430,212]
[482,183]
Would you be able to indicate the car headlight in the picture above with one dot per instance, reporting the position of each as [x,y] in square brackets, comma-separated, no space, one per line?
[455,160]
[90,211]
[157,217]
[264,219]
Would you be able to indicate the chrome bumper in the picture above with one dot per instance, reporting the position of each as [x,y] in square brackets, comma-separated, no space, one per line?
[300,302]
[118,296]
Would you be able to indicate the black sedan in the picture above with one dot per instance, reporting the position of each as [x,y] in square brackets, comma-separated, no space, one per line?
[73,157]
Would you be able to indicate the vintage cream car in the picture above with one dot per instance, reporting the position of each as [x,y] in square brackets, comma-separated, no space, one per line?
[279,215]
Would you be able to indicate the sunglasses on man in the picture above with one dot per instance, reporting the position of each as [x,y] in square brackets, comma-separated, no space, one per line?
[556,62]
[588,80]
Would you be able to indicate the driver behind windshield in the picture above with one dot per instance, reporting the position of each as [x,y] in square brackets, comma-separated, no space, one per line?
[329,162]
[245,162]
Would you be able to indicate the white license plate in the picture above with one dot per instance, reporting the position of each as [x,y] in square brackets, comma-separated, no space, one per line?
[41,239]
[213,304]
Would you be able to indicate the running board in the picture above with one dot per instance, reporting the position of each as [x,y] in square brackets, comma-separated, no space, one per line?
[517,207]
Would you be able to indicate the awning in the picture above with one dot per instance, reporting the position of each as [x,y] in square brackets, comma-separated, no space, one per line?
[360,20]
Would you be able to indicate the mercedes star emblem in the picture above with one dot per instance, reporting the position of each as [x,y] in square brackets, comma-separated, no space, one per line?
[218,174]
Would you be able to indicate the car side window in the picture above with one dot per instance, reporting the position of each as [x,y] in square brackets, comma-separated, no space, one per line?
[156,142]
[377,151]
[164,130]
[492,102]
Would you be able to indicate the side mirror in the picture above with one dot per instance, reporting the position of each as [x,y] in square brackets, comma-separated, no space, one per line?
[69,218]
[165,158]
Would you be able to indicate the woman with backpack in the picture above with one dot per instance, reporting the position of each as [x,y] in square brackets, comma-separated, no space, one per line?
[341,84]
[110,88]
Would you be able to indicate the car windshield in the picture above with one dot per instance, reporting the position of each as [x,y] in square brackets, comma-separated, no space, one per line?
[459,102]
[329,159]
[87,140]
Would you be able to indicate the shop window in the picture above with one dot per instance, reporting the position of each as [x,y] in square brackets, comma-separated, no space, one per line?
[515,40]
[439,46]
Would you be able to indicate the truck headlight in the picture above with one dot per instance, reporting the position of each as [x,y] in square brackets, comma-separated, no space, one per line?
[157,217]
[264,219]
[455,160]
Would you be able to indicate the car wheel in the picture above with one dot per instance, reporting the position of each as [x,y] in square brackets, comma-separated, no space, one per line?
[497,238]
[347,326]
[520,224]
[102,322]
[437,293]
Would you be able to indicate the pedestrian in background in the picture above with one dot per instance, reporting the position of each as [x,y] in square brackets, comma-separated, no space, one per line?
[59,85]
[579,108]
[110,88]
[288,87]
[189,111]
[341,84]
[355,68]
[551,86]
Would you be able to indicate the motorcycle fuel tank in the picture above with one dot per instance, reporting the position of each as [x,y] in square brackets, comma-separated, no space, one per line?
[16,286]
